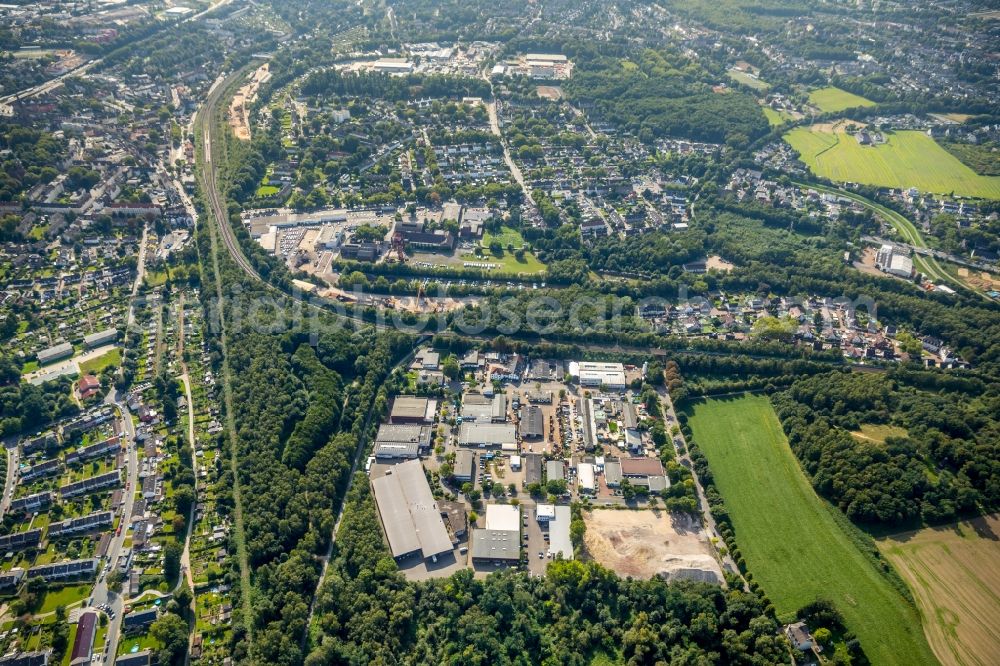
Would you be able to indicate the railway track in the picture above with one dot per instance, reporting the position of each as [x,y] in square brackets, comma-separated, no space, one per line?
[219,212]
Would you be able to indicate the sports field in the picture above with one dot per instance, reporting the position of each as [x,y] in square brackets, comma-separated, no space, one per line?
[831,100]
[907,159]
[788,536]
[954,572]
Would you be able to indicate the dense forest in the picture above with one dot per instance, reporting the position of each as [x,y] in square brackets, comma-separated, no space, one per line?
[665,95]
[577,612]
[941,458]
[29,157]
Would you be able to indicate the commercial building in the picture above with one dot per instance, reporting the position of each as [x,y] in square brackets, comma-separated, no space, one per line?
[402,441]
[555,470]
[410,518]
[607,375]
[465,465]
[412,409]
[488,435]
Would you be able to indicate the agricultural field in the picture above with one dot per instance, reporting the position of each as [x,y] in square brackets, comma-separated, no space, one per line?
[789,537]
[906,159]
[958,595]
[832,100]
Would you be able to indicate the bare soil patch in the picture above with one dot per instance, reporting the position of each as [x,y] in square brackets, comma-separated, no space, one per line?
[643,544]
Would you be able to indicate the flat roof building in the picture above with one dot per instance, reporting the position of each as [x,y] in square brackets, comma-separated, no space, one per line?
[613,473]
[402,440]
[465,465]
[585,478]
[560,544]
[503,517]
[488,435]
[555,470]
[410,517]
[609,375]
[412,409]
[495,546]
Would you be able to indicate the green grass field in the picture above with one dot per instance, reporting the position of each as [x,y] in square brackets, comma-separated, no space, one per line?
[831,100]
[908,159]
[95,365]
[63,596]
[776,118]
[789,538]
[506,236]
[747,80]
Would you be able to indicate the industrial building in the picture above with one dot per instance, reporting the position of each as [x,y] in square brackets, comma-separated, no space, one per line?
[586,481]
[412,409]
[402,441]
[500,541]
[555,470]
[532,468]
[410,517]
[495,547]
[504,517]
[465,465]
[889,259]
[644,472]
[484,409]
[557,518]
[532,423]
[488,435]
[608,375]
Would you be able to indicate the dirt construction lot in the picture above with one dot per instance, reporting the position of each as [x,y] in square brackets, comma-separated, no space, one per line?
[643,544]
[954,573]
